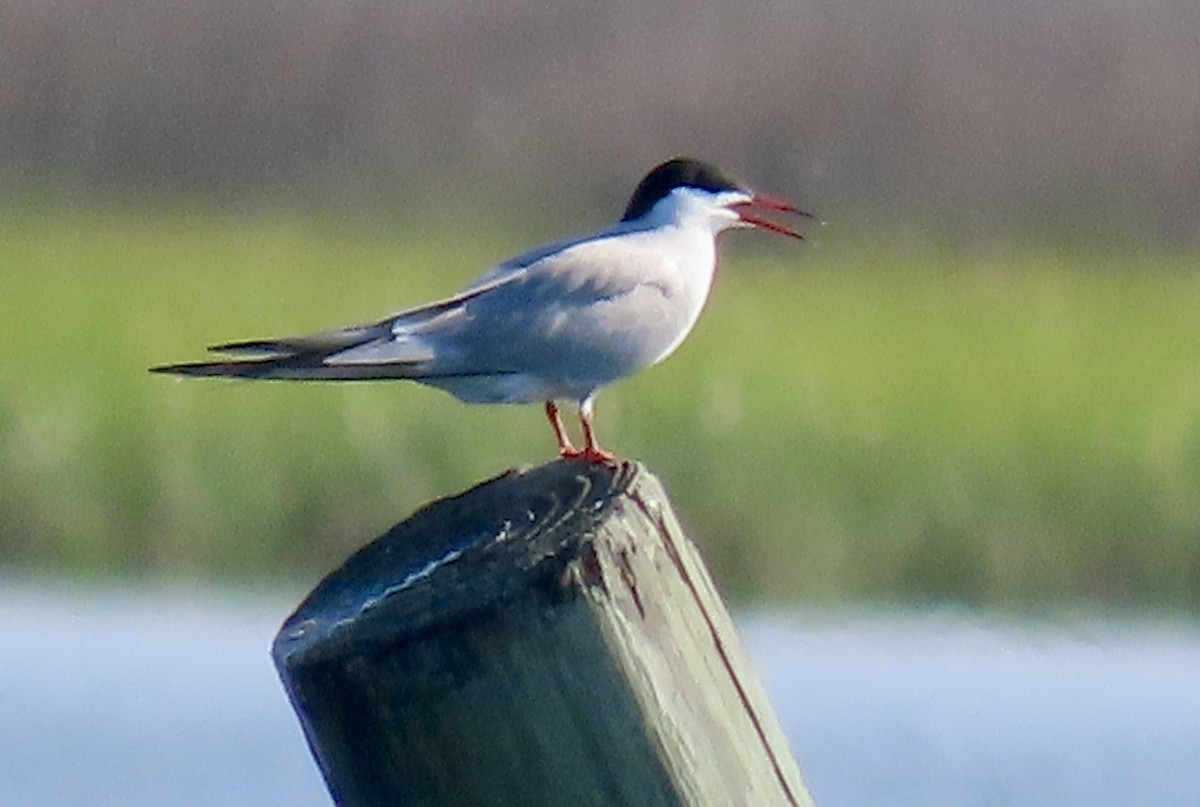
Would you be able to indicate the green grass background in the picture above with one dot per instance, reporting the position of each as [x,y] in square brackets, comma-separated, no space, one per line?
[860,417]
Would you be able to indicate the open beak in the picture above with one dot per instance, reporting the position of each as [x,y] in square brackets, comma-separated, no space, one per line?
[749,214]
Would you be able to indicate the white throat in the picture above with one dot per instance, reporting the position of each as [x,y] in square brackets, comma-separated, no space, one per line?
[692,208]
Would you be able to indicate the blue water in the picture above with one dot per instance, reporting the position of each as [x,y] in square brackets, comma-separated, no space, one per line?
[167,698]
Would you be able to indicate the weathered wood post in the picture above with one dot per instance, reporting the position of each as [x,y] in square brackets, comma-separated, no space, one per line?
[547,639]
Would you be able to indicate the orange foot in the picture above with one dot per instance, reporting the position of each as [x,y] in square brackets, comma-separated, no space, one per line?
[589,454]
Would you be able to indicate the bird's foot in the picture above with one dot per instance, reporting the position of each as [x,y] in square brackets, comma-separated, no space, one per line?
[589,454]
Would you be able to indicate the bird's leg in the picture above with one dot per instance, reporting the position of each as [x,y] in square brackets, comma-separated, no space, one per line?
[565,449]
[592,451]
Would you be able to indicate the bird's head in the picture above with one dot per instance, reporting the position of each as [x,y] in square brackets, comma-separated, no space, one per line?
[684,189]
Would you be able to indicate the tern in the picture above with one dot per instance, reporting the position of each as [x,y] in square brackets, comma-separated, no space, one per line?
[552,325]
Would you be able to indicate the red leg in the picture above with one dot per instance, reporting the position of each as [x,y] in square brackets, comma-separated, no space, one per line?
[565,449]
[591,449]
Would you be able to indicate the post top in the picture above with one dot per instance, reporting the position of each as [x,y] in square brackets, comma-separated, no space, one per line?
[456,556]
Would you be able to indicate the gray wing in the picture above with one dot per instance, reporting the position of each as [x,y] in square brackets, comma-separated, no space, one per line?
[370,351]
[591,312]
[531,314]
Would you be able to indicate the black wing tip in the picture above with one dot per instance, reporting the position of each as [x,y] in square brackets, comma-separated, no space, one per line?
[176,369]
[248,346]
[204,369]
[251,359]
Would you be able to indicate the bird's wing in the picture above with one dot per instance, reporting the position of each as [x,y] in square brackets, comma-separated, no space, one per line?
[331,342]
[488,328]
[607,302]
[507,305]
[544,257]
[342,354]
[516,266]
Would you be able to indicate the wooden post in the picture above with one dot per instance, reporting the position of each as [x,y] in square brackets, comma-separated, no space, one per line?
[549,638]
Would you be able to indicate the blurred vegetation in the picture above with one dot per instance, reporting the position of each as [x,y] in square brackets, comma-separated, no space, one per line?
[1004,412]
[905,422]
[1071,116]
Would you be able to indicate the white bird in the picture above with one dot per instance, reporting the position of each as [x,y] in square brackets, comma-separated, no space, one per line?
[554,324]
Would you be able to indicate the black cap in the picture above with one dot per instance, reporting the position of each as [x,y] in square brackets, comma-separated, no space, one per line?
[681,172]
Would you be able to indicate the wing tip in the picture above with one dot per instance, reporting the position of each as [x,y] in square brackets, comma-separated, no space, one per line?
[253,347]
[206,369]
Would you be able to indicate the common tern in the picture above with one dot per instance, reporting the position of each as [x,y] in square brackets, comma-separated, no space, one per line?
[552,325]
